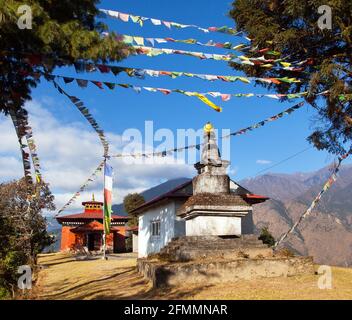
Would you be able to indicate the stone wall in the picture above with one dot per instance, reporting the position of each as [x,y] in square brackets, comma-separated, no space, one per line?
[170,274]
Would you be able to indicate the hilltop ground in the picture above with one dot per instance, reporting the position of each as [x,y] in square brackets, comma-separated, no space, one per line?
[64,276]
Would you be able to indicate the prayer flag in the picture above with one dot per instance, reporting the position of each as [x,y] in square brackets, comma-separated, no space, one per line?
[107,197]
[208,102]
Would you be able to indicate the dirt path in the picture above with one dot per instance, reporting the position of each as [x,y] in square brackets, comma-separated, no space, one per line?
[66,277]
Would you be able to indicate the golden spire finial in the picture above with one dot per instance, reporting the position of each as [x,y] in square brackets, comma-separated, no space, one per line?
[93,199]
[208,127]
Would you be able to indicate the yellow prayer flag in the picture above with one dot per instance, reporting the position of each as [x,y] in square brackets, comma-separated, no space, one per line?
[243,58]
[38,178]
[139,40]
[267,65]
[243,79]
[240,46]
[208,102]
[285,64]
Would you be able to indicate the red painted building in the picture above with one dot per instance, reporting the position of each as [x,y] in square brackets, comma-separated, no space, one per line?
[84,231]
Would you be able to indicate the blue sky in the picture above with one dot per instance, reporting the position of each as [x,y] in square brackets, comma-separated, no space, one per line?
[121,109]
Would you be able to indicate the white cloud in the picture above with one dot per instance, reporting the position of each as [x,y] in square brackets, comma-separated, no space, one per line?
[10,168]
[69,153]
[263,162]
[232,170]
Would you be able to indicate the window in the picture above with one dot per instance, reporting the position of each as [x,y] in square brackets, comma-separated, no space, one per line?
[155,228]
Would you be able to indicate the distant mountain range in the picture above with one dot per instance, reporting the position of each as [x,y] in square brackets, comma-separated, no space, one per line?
[326,234]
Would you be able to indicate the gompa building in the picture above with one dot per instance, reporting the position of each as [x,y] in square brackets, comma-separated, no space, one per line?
[84,231]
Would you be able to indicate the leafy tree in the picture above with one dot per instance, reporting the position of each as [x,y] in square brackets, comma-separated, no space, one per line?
[291,27]
[131,202]
[266,237]
[22,227]
[63,31]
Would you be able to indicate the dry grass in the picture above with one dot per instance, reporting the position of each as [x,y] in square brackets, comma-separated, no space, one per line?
[63,277]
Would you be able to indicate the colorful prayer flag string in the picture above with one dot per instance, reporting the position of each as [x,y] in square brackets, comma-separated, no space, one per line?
[84,111]
[82,188]
[197,146]
[18,120]
[141,41]
[29,150]
[241,60]
[141,73]
[331,180]
[215,94]
[270,119]
[241,47]
[110,85]
[126,17]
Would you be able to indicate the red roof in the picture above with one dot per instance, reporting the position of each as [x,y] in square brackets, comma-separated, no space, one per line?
[254,198]
[90,215]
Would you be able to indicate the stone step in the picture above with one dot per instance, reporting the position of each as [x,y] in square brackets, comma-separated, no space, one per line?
[214,244]
[216,238]
[187,248]
[170,250]
[211,239]
[216,251]
[187,255]
[172,247]
[222,249]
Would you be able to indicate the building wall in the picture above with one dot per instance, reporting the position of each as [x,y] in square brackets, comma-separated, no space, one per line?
[135,242]
[170,226]
[71,241]
[118,243]
[68,238]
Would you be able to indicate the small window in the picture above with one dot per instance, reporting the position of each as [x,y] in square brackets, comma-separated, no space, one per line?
[155,228]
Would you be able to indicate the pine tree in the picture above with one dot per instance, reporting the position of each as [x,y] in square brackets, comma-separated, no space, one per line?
[62,32]
[291,27]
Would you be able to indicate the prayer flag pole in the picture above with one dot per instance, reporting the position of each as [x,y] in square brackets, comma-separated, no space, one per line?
[104,233]
[107,203]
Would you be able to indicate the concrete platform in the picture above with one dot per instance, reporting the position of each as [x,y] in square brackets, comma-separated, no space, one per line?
[213,259]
